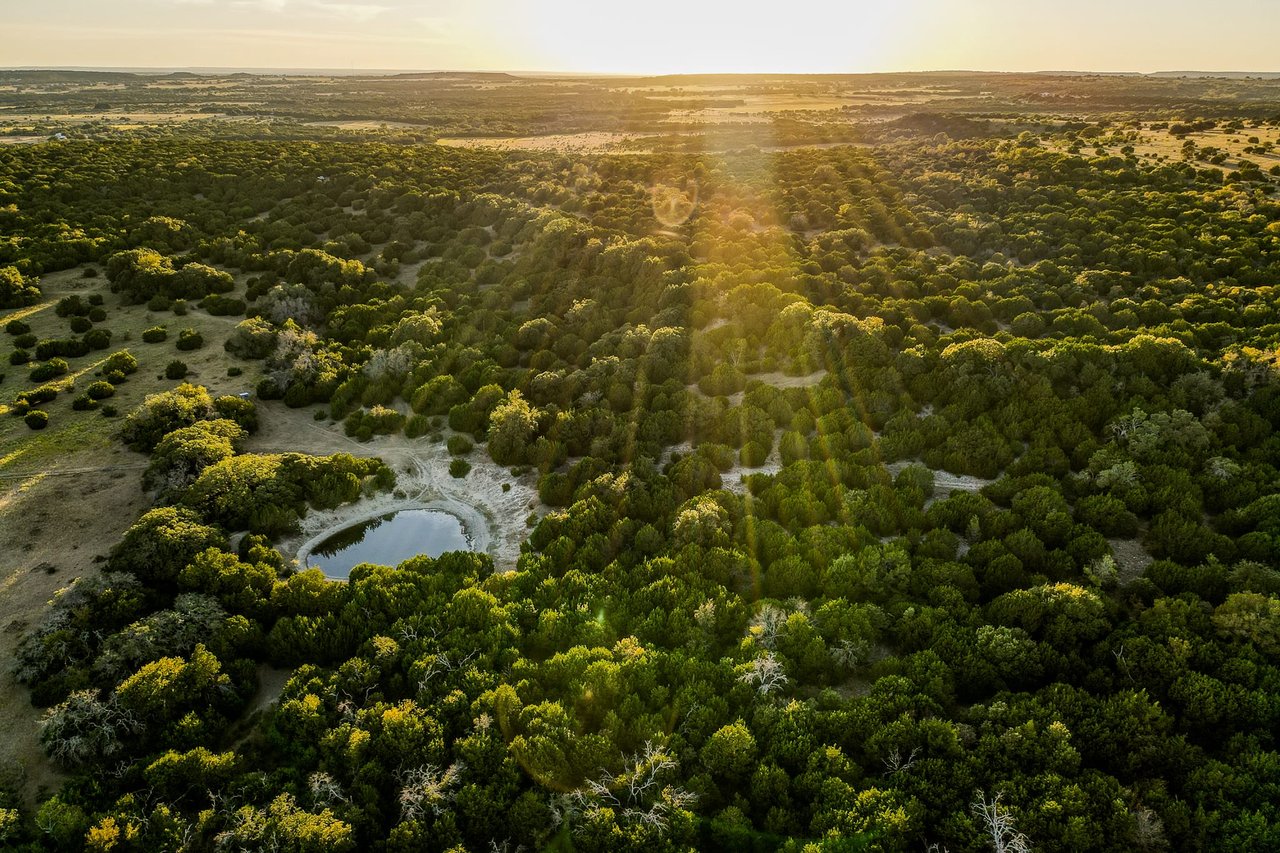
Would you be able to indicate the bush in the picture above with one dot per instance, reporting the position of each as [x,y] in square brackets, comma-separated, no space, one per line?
[98,339]
[159,302]
[459,468]
[43,394]
[100,390]
[155,335]
[37,419]
[67,347]
[179,307]
[80,325]
[98,313]
[19,356]
[189,339]
[122,361]
[25,341]
[17,327]
[459,445]
[84,403]
[753,454]
[71,306]
[175,369]
[234,371]
[53,367]
[223,306]
[417,426]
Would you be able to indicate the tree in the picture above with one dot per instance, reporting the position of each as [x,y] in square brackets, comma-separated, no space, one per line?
[730,752]
[162,413]
[16,291]
[998,824]
[85,730]
[512,426]
[161,543]
[1252,617]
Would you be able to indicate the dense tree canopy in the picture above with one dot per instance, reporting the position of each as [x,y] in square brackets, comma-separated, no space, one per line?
[842,478]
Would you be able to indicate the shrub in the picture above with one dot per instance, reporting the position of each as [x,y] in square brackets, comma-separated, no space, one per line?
[417,426]
[19,356]
[179,307]
[17,327]
[70,347]
[80,325]
[223,306]
[159,302]
[51,368]
[459,468]
[155,335]
[753,454]
[459,445]
[98,313]
[189,339]
[37,419]
[71,306]
[25,341]
[84,403]
[122,361]
[234,371]
[98,339]
[175,369]
[100,390]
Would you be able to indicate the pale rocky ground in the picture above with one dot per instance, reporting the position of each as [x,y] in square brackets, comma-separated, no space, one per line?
[494,520]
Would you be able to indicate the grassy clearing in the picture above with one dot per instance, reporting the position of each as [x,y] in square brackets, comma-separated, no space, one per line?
[69,430]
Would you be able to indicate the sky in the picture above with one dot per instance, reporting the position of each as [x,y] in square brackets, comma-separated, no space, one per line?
[649,36]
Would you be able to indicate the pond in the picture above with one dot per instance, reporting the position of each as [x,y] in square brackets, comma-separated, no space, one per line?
[389,540]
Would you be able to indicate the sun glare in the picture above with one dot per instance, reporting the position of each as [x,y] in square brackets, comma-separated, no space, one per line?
[669,37]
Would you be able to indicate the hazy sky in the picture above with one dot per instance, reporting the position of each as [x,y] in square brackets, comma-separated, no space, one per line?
[651,36]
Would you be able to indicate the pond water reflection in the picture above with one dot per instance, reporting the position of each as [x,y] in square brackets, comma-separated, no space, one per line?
[389,540]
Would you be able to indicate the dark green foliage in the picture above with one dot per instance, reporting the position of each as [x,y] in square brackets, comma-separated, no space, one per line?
[189,339]
[843,649]
[36,419]
[51,368]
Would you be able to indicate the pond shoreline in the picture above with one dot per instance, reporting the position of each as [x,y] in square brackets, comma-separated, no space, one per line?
[474,527]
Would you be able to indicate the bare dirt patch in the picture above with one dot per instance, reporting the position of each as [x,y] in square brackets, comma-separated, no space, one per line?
[593,141]
[944,482]
[52,525]
[1131,559]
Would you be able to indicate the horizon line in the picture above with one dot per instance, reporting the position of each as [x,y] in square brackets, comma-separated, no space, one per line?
[305,71]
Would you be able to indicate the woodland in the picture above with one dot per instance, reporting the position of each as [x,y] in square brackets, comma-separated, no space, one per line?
[905,481]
